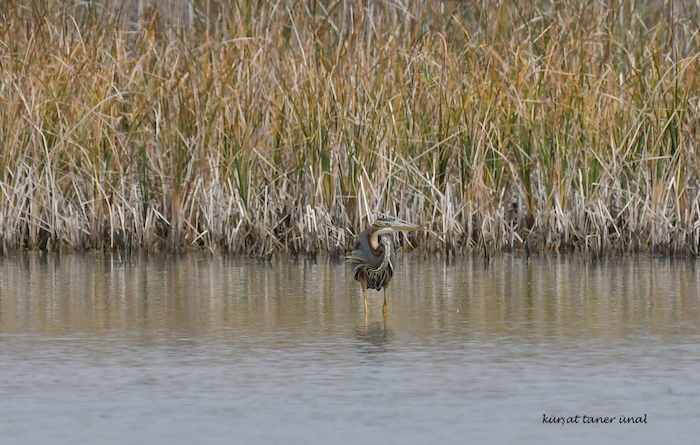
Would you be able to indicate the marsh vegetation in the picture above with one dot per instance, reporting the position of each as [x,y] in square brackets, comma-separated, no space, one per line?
[261,128]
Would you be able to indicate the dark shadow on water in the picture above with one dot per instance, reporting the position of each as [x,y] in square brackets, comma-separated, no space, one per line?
[373,337]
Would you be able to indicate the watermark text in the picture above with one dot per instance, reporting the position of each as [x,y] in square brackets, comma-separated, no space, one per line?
[586,419]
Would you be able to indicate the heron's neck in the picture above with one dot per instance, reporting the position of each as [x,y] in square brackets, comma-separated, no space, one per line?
[386,242]
[374,240]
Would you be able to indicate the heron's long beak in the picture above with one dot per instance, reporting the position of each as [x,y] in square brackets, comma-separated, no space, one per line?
[396,225]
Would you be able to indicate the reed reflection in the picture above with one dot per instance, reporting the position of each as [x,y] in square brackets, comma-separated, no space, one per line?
[238,300]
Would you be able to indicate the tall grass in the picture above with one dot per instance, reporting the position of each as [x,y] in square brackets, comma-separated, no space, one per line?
[284,127]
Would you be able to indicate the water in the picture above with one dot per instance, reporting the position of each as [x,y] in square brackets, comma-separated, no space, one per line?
[191,349]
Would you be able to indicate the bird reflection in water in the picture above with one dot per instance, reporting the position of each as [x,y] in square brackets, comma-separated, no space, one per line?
[373,337]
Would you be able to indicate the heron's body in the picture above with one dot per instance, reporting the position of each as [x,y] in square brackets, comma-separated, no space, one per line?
[373,254]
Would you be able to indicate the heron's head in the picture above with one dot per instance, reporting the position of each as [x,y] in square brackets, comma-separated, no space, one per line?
[387,225]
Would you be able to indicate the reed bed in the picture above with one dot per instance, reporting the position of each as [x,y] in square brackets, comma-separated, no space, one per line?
[265,128]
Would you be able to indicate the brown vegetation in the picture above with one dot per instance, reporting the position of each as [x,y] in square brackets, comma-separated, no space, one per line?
[265,127]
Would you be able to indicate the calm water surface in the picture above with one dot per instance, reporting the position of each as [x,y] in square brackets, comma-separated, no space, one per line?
[181,350]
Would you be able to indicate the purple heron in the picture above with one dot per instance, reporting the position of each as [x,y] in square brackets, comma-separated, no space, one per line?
[373,254]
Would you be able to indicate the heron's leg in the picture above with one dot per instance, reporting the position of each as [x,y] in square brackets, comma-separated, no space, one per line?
[385,307]
[364,296]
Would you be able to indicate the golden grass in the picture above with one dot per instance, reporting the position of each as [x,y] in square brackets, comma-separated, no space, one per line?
[283,127]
